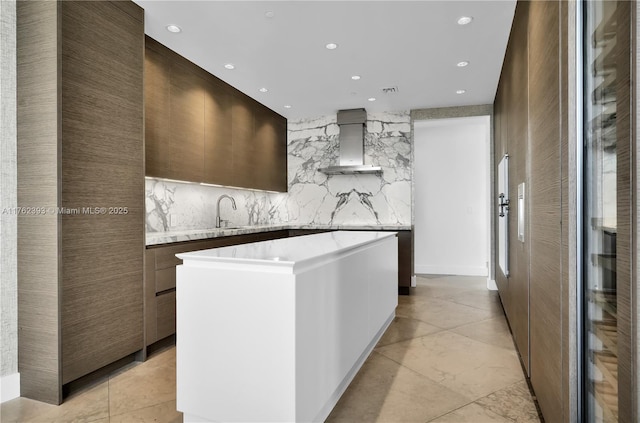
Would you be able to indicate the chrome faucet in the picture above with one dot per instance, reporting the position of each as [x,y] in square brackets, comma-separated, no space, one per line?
[233,204]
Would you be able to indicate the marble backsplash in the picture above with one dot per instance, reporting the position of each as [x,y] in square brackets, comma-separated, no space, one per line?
[313,198]
[316,198]
[175,206]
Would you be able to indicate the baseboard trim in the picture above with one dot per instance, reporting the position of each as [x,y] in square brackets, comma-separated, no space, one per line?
[425,269]
[491,285]
[9,387]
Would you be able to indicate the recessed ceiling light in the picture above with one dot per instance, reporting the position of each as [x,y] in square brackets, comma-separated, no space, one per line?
[463,64]
[287,106]
[331,46]
[355,77]
[464,20]
[229,66]
[269,14]
[174,28]
[461,91]
[371,99]
[263,90]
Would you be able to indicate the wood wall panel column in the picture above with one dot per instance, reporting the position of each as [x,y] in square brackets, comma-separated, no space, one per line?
[80,148]
[569,187]
[38,170]
[546,208]
[624,162]
[102,166]
[516,138]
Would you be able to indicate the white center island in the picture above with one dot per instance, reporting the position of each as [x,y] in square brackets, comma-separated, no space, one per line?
[275,331]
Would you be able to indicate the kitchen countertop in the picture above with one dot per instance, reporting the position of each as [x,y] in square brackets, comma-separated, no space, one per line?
[285,252]
[159,238]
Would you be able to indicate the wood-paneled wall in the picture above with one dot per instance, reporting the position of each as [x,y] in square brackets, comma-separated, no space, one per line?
[102,166]
[38,169]
[624,182]
[545,196]
[532,112]
[515,142]
[551,161]
[80,148]
[635,132]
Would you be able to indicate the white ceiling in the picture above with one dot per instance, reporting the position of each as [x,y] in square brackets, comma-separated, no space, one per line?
[411,45]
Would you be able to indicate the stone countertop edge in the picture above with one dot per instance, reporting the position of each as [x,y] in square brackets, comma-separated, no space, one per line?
[294,254]
[161,238]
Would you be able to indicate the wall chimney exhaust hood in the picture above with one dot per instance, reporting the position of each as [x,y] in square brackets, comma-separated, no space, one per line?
[352,124]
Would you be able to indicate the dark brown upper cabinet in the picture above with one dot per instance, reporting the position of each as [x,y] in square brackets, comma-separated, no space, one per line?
[218,152]
[270,129]
[200,129]
[186,105]
[245,153]
[157,123]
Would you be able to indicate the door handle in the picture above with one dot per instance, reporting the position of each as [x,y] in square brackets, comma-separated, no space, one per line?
[503,203]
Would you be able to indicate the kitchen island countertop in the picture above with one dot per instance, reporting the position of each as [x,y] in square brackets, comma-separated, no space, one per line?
[159,238]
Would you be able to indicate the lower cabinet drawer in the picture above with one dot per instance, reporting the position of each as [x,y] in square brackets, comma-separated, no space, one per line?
[166,309]
[165,279]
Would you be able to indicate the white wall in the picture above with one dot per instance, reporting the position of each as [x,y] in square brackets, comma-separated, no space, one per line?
[9,376]
[451,186]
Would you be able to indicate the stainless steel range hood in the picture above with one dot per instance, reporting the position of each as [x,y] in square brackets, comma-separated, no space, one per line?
[352,125]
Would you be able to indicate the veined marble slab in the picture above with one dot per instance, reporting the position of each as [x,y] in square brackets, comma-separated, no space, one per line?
[159,238]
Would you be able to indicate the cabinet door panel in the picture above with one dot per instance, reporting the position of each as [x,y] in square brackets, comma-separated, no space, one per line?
[218,152]
[545,211]
[517,147]
[102,156]
[270,138]
[244,151]
[166,305]
[157,113]
[187,125]
[165,279]
[150,297]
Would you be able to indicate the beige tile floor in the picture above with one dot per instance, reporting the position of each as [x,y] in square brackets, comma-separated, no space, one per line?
[447,357]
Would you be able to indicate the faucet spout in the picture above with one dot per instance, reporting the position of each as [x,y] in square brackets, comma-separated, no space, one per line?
[233,205]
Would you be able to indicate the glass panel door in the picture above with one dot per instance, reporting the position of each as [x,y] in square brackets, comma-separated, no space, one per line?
[600,212]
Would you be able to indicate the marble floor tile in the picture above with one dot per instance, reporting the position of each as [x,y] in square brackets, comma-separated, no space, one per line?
[88,406]
[403,328]
[492,331]
[159,376]
[160,413]
[23,410]
[384,391]
[513,402]
[472,413]
[484,299]
[471,368]
[446,284]
[441,313]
